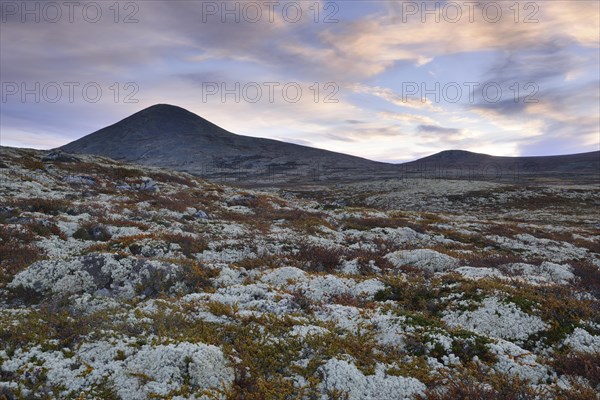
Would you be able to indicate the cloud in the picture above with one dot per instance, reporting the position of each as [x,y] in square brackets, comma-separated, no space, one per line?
[398,99]
[437,129]
[407,118]
[170,52]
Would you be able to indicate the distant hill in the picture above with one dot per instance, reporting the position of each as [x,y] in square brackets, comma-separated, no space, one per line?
[172,137]
[460,164]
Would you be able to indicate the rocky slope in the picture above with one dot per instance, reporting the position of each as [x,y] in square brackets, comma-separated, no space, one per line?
[130,282]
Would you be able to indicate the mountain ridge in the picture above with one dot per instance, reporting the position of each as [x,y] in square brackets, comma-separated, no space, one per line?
[169,136]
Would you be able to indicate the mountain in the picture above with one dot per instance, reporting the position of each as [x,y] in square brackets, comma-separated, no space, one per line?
[172,137]
[169,136]
[460,164]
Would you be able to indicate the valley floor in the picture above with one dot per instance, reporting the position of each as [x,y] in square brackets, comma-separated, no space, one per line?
[123,282]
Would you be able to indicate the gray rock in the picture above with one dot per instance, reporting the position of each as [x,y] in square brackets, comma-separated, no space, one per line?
[427,259]
[79,180]
[96,233]
[93,265]
[148,184]
[99,274]
[99,233]
[241,200]
[60,156]
[201,215]
[20,220]
[7,212]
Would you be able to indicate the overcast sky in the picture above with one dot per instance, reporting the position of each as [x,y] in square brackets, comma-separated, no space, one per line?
[389,81]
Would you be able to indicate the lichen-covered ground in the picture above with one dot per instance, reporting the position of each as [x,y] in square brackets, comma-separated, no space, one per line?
[118,282]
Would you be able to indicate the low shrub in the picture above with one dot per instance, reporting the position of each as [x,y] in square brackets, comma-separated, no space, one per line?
[173,178]
[189,244]
[15,257]
[578,364]
[494,387]
[367,259]
[589,276]
[316,258]
[16,252]
[414,293]
[178,202]
[46,229]
[31,163]
[41,205]
[196,276]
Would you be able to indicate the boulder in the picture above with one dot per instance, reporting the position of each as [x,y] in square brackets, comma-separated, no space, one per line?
[148,184]
[201,215]
[79,180]
[427,259]
[241,200]
[99,274]
[59,156]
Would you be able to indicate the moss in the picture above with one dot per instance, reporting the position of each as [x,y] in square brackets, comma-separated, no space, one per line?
[104,390]
[53,326]
[120,356]
[414,366]
[415,319]
[414,293]
[467,345]
[523,303]
[221,309]
[359,345]
[438,351]
[196,276]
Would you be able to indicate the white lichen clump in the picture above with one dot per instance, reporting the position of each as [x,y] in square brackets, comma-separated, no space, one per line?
[497,319]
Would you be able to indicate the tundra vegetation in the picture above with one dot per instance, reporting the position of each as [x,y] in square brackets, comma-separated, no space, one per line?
[129,282]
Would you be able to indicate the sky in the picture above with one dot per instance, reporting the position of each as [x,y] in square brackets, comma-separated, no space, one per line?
[386,80]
